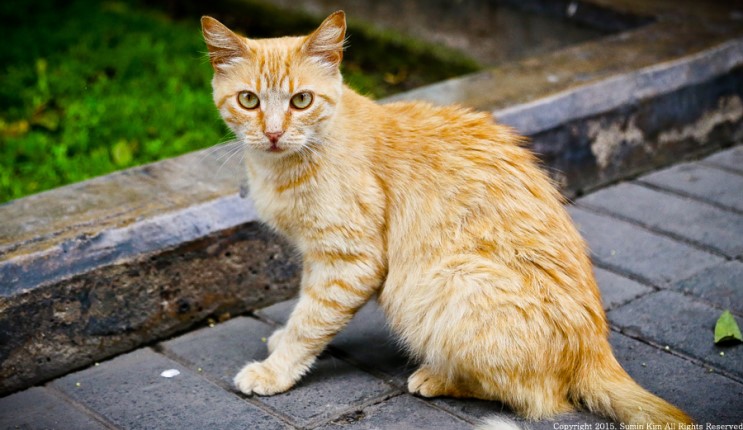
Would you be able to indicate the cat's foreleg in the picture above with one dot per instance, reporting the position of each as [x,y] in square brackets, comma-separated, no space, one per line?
[333,288]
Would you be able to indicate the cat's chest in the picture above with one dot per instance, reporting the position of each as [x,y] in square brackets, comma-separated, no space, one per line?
[288,204]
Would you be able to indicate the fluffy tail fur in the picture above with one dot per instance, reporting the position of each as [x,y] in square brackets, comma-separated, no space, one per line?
[497,423]
[606,389]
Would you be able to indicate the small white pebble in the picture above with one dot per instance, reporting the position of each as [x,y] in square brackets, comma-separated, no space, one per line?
[572,8]
[77,384]
[644,365]
[200,369]
[722,353]
[667,348]
[98,364]
[170,373]
[552,78]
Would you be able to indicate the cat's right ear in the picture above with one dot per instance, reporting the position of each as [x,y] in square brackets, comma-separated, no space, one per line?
[223,44]
[326,43]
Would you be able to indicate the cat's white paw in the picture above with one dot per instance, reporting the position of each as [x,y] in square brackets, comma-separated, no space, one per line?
[275,339]
[424,383]
[259,378]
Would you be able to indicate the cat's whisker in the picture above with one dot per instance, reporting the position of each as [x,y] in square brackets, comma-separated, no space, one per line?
[232,154]
[217,147]
[228,152]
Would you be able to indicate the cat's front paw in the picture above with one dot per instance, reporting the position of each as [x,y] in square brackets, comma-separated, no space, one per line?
[275,339]
[259,378]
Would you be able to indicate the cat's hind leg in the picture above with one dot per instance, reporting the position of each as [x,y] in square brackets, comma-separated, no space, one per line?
[427,382]
[484,323]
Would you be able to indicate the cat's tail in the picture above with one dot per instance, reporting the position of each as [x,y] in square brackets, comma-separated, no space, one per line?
[497,423]
[606,389]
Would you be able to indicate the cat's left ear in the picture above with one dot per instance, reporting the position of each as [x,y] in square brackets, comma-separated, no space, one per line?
[326,43]
[223,44]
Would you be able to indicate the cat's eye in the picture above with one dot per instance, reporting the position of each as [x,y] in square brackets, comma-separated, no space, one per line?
[301,100]
[248,100]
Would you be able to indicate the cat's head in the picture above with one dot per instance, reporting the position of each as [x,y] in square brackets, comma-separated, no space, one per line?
[277,95]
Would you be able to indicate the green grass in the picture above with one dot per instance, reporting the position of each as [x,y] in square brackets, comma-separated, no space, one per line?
[90,87]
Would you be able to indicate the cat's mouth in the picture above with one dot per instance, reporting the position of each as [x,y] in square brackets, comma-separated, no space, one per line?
[275,148]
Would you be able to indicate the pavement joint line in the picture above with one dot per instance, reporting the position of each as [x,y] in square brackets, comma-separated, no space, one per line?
[265,319]
[428,401]
[606,212]
[693,360]
[625,274]
[708,163]
[224,387]
[79,406]
[619,305]
[641,181]
[358,407]
[633,276]
[692,295]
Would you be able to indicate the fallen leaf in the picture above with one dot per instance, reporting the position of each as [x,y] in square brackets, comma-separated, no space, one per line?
[726,329]
[122,153]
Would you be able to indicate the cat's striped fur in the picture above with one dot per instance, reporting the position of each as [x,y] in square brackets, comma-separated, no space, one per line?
[437,210]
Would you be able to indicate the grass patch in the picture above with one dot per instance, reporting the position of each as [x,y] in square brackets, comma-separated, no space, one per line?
[90,87]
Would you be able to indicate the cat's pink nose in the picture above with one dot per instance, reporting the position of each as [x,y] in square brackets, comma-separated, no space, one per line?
[273,136]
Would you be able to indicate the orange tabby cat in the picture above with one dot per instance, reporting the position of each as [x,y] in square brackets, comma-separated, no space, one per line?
[437,210]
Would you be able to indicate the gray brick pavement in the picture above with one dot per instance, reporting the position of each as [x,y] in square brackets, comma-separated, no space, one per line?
[671,319]
[701,181]
[617,290]
[129,392]
[720,285]
[729,159]
[403,412]
[687,218]
[638,251]
[41,408]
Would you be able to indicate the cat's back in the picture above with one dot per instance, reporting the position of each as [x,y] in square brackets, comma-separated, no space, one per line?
[447,146]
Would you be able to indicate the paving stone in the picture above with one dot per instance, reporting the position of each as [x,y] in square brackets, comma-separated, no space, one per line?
[129,392]
[707,397]
[331,387]
[617,290]
[222,350]
[39,408]
[278,312]
[721,285]
[645,254]
[474,410]
[403,412]
[731,158]
[685,217]
[683,324]
[366,340]
[703,182]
